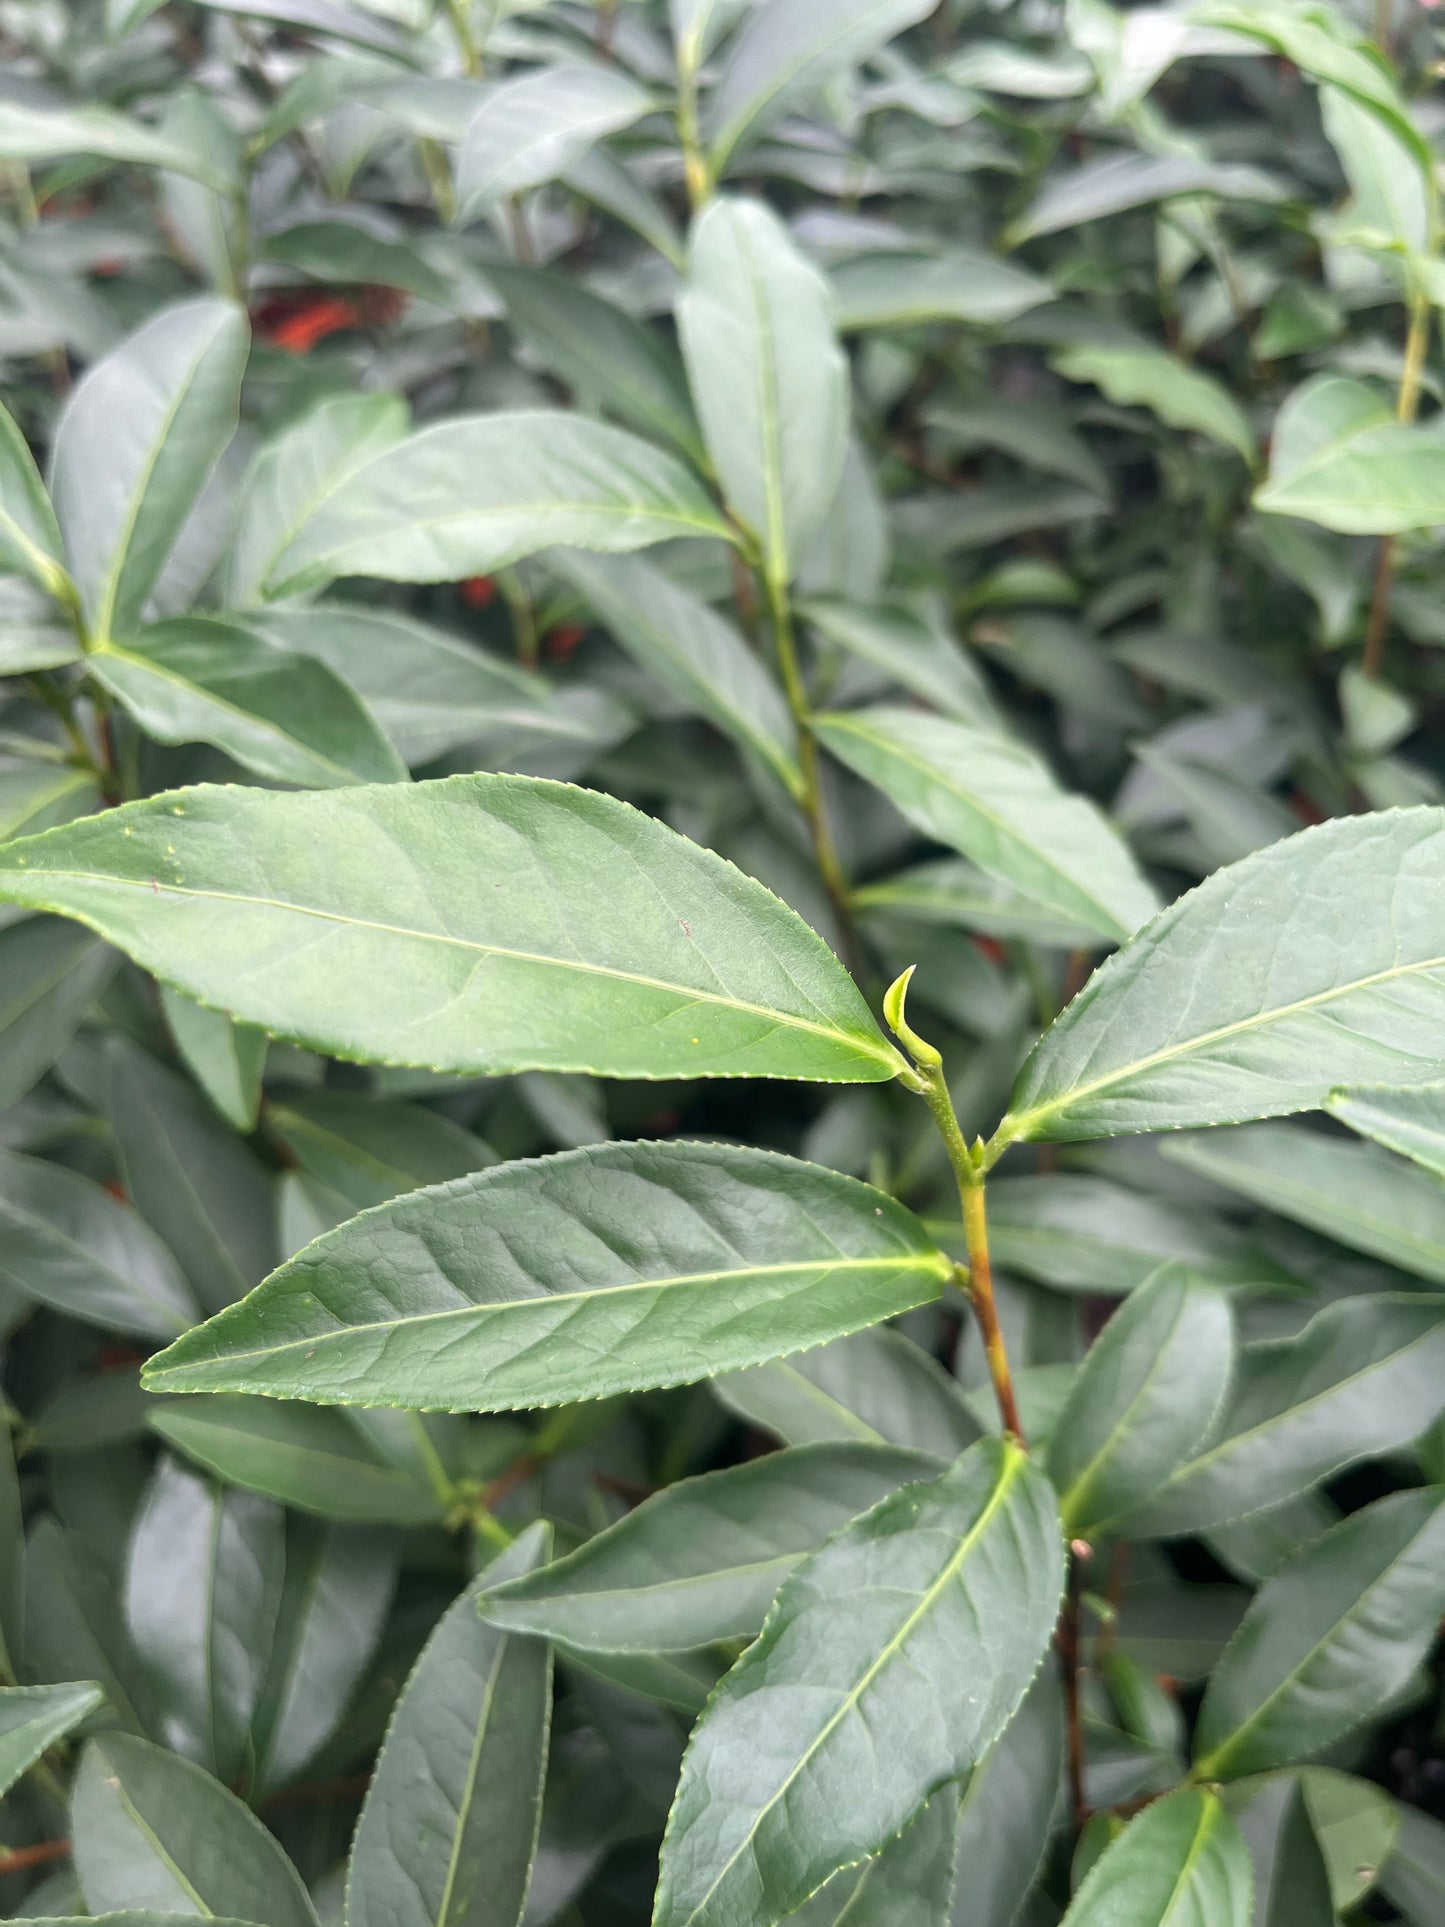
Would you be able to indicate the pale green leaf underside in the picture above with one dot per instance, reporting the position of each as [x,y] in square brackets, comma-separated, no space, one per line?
[516,924]
[597,1271]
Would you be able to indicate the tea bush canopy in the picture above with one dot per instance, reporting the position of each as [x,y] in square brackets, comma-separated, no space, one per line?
[722,964]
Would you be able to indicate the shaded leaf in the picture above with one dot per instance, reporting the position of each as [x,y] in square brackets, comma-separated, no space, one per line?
[152,1830]
[162,407]
[1333,1635]
[531,128]
[1144,1400]
[50,975]
[33,1718]
[896,290]
[702,1559]
[955,1579]
[449,1826]
[1168,387]
[1411,1122]
[998,804]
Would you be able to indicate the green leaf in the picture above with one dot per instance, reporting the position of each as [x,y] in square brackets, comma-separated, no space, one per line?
[702,1559]
[916,652]
[30,133]
[1339,457]
[604,355]
[75,1625]
[432,692]
[1336,1633]
[135,443]
[67,1243]
[908,1884]
[519,924]
[292,476]
[152,1830]
[1319,961]
[190,1177]
[300,1454]
[33,1718]
[692,652]
[1413,1876]
[286,716]
[467,496]
[1151,378]
[203,1587]
[1299,1885]
[1180,1861]
[1117,182]
[1077,1232]
[50,975]
[876,1387]
[787,47]
[1008,1810]
[892,1661]
[532,128]
[1363,1377]
[897,290]
[449,1826]
[1411,1122]
[746,1256]
[952,892]
[768,376]
[1354,1193]
[366,1150]
[339,1585]
[1390,184]
[29,538]
[1144,1400]
[997,803]
[225,1059]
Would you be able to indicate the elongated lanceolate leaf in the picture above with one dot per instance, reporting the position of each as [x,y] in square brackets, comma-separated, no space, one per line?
[517,924]
[1180,1862]
[1340,458]
[1354,1193]
[465,496]
[272,710]
[994,801]
[1316,962]
[1145,1399]
[152,1830]
[893,1659]
[29,539]
[530,129]
[1335,1634]
[50,975]
[598,1271]
[788,46]
[1007,1811]
[137,440]
[908,1884]
[31,133]
[691,650]
[35,1717]
[67,1243]
[449,1828]
[895,290]
[1365,1376]
[1168,387]
[1411,1122]
[702,1559]
[768,376]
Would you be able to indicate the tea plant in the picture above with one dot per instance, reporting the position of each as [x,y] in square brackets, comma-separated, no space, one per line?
[709,1210]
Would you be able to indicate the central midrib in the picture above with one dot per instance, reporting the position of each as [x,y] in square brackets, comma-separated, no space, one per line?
[904,1261]
[861,1044]
[1011,1469]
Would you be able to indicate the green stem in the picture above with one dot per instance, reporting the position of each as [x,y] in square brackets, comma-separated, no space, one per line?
[1417,344]
[524,620]
[931,1085]
[471,53]
[696,172]
[825,851]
